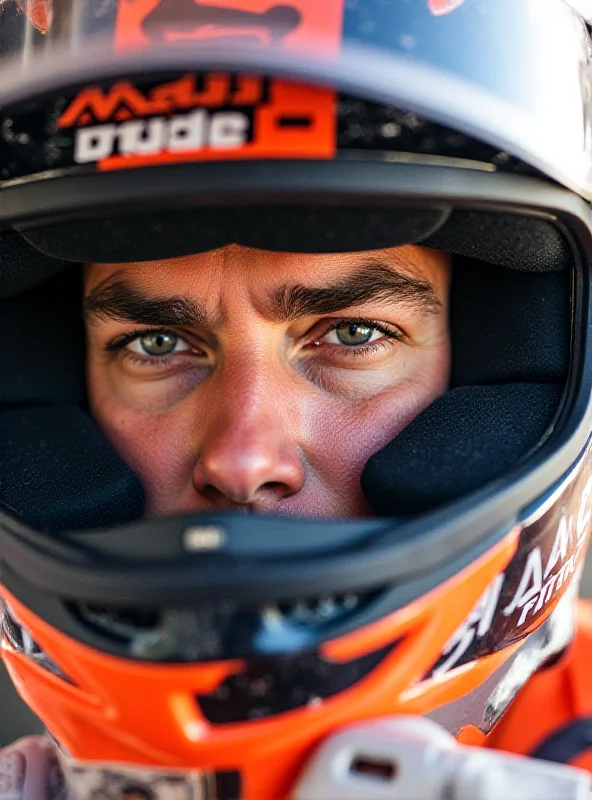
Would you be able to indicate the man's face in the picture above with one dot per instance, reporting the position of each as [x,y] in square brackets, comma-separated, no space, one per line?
[249,380]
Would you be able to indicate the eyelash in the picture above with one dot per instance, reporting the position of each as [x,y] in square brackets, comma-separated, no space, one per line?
[127,338]
[122,341]
[390,333]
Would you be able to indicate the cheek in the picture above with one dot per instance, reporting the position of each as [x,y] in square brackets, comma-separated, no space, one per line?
[158,447]
[342,436]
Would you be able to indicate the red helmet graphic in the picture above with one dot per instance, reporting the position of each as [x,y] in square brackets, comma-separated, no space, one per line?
[441,7]
[38,12]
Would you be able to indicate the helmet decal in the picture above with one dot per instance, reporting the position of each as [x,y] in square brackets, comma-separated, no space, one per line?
[547,561]
[198,118]
[38,12]
[186,17]
[251,24]
[441,7]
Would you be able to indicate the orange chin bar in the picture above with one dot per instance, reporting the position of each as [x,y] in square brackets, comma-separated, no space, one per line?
[127,711]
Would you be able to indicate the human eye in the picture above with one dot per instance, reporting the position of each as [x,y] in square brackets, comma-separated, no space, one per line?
[358,336]
[151,348]
[157,343]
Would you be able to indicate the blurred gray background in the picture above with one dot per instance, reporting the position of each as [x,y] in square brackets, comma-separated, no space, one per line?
[16,719]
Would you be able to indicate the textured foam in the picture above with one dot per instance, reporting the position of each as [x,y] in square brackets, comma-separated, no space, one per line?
[42,357]
[57,471]
[146,237]
[465,439]
[508,240]
[507,325]
[22,266]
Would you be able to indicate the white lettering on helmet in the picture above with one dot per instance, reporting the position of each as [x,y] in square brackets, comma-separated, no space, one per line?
[228,129]
[477,624]
[540,583]
[182,133]
[531,582]
[142,138]
[93,144]
[188,131]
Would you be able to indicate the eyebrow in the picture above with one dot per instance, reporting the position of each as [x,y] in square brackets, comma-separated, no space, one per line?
[115,298]
[375,282]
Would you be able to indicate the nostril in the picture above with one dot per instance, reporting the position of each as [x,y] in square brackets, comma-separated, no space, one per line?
[275,487]
[224,500]
[210,492]
[272,489]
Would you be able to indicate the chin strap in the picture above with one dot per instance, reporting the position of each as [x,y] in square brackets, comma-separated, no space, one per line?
[412,758]
[399,758]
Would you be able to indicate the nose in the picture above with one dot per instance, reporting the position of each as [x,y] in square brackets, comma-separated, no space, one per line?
[250,453]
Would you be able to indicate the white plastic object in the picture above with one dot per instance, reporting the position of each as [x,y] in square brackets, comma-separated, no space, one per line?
[413,758]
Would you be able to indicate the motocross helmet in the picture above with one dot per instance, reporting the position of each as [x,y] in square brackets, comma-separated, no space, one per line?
[214,651]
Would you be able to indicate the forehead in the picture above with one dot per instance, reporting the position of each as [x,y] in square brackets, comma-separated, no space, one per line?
[244,267]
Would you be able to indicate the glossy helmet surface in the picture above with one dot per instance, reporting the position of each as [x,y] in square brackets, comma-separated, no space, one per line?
[229,646]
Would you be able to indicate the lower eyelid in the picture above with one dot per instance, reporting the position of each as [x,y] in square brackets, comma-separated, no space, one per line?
[145,359]
[354,351]
[167,365]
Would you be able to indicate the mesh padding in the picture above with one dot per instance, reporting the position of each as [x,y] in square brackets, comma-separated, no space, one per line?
[150,236]
[44,359]
[507,325]
[509,240]
[22,266]
[57,471]
[508,328]
[461,442]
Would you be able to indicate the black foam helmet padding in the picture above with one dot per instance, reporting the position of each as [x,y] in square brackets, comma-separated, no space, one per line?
[460,443]
[57,472]
[509,240]
[507,325]
[307,229]
[529,244]
[22,266]
[43,344]
[510,345]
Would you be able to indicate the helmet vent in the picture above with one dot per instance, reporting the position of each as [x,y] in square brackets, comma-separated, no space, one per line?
[219,630]
[120,623]
[21,641]
[320,609]
[271,686]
